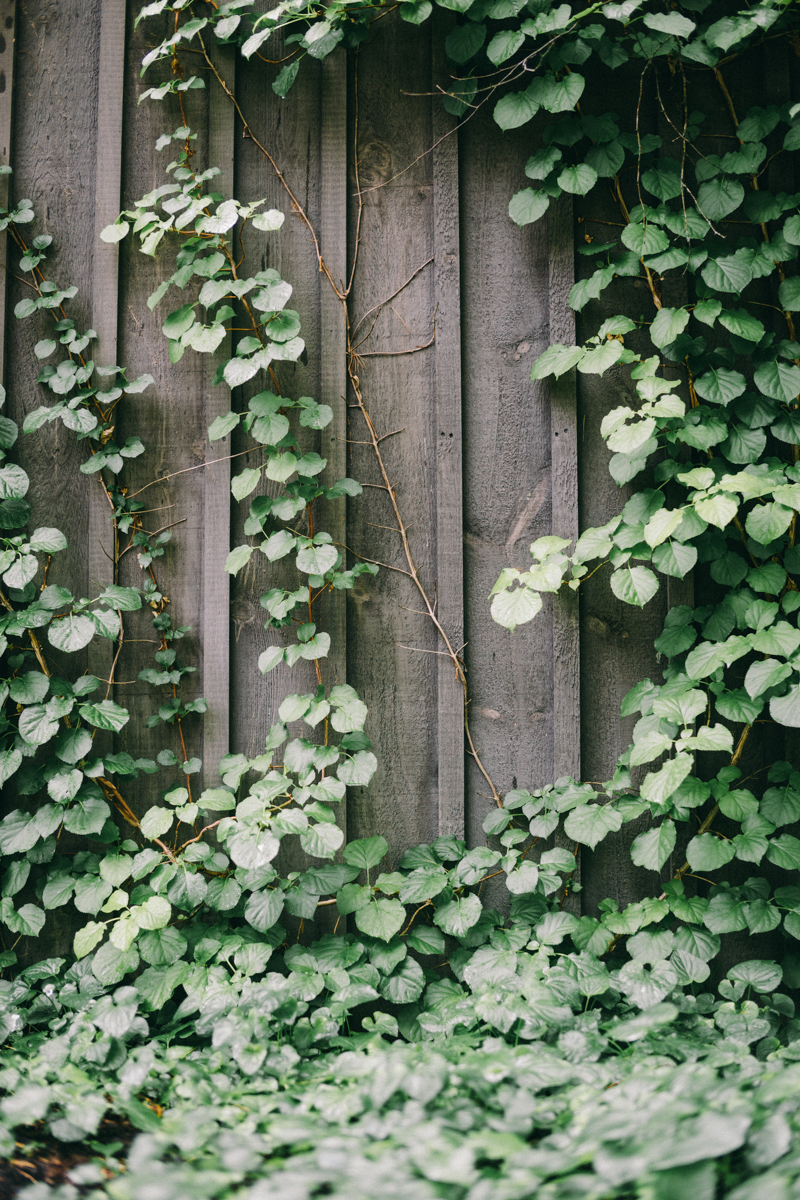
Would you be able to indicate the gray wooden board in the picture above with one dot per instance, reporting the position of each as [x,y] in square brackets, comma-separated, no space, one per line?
[53,155]
[8,12]
[105,302]
[170,419]
[448,434]
[291,130]
[564,459]
[333,342]
[507,467]
[398,684]
[216,481]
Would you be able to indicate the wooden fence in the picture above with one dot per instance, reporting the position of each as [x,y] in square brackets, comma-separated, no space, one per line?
[483,460]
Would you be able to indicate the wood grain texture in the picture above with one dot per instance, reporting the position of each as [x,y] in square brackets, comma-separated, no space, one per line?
[105,296]
[53,155]
[291,130]
[170,418]
[333,343]
[390,641]
[564,467]
[507,468]
[8,13]
[449,499]
[217,477]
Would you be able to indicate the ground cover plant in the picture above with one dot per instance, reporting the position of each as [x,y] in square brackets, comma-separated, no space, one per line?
[209,1035]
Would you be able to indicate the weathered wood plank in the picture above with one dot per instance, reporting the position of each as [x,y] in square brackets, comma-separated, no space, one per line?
[291,130]
[105,293]
[170,418]
[217,491]
[507,468]
[449,500]
[389,638]
[333,364]
[53,156]
[564,467]
[8,13]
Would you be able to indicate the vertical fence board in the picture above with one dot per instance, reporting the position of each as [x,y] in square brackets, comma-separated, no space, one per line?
[53,122]
[290,129]
[8,13]
[169,416]
[333,344]
[217,481]
[564,466]
[390,638]
[449,508]
[105,297]
[507,472]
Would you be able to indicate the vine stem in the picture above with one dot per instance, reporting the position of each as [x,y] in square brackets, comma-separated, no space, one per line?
[706,825]
[342,293]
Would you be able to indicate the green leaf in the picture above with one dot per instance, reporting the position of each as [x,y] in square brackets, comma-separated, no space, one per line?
[765,674]
[652,849]
[463,42]
[70,633]
[113,233]
[719,509]
[178,322]
[357,771]
[579,180]
[755,973]
[672,24]
[556,360]
[779,381]
[381,919]
[321,841]
[263,909]
[669,323]
[515,109]
[664,180]
[766,522]
[238,558]
[634,585]
[245,482]
[674,559]
[789,294]
[365,853]
[528,205]
[405,984]
[504,45]
[740,322]
[36,725]
[644,239]
[105,715]
[156,822]
[221,426]
[459,915]
[706,852]
[658,786]
[317,560]
[720,386]
[515,606]
[718,198]
[784,851]
[591,823]
[87,938]
[29,688]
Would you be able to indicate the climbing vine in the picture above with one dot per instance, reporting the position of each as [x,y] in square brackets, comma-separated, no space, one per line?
[189,980]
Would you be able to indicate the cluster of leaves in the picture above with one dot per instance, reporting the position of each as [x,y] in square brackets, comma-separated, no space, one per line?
[459,1040]
[532,1067]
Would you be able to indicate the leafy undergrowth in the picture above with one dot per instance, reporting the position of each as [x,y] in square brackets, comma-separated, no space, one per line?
[537,1073]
